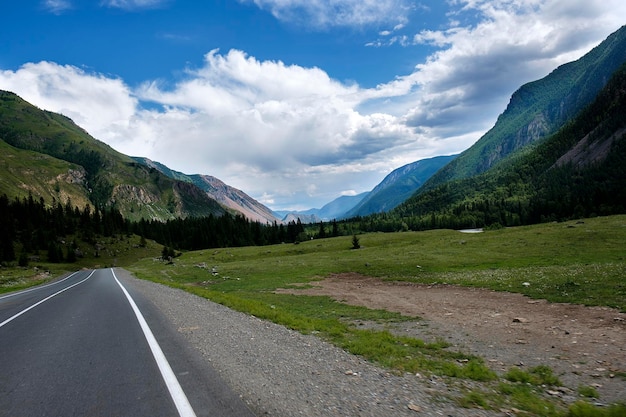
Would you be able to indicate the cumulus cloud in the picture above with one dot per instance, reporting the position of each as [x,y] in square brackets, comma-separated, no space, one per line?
[268,117]
[272,129]
[95,102]
[332,13]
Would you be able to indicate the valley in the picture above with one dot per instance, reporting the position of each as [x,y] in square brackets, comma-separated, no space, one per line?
[526,318]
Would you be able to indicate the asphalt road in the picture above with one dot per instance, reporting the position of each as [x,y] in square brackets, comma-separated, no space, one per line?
[90,345]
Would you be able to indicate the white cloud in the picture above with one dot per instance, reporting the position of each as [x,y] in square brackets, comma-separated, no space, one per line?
[332,13]
[270,129]
[258,123]
[134,4]
[57,6]
[95,102]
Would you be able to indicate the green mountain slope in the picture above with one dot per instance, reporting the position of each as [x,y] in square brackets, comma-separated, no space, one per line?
[108,178]
[398,186]
[577,172]
[27,172]
[539,109]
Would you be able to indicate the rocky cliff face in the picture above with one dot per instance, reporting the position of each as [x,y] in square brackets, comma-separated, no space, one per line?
[234,199]
[588,152]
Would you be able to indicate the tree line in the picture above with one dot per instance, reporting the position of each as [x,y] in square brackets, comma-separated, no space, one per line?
[32,228]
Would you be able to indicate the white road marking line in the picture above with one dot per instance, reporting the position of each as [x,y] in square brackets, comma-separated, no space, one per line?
[173,386]
[44,300]
[38,287]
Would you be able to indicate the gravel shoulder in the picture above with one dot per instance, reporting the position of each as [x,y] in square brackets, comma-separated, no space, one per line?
[280,372]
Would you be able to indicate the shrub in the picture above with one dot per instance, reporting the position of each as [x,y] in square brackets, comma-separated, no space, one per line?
[355,242]
[588,392]
[539,375]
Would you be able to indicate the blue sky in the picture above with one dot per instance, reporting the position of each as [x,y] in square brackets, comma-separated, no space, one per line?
[295,102]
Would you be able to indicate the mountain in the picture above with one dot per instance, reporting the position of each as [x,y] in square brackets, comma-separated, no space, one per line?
[398,186]
[336,209]
[395,188]
[47,155]
[226,195]
[301,217]
[23,172]
[577,172]
[235,199]
[539,109]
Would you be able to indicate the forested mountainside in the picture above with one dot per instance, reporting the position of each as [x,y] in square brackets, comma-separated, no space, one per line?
[49,156]
[539,109]
[577,172]
[398,186]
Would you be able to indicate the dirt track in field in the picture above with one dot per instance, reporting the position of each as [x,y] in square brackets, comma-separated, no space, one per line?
[583,345]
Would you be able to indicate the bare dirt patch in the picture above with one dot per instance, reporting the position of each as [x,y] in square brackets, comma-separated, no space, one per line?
[585,346]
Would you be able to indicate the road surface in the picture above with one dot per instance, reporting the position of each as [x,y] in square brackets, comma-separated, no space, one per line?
[90,345]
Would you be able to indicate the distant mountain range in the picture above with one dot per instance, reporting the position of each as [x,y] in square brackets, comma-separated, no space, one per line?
[394,189]
[336,209]
[398,186]
[556,147]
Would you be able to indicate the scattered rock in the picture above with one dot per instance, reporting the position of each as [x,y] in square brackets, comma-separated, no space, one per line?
[520,320]
[414,407]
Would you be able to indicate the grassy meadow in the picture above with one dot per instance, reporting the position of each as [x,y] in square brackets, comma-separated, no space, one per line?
[580,262]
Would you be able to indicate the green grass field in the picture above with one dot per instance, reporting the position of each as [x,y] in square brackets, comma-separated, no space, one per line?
[578,262]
